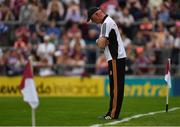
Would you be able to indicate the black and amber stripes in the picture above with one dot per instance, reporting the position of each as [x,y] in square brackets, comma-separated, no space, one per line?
[116,75]
[115,90]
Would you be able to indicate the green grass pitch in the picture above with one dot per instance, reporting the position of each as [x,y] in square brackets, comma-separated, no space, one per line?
[84,111]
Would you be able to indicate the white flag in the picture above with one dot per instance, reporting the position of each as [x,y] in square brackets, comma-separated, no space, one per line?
[167,77]
[28,89]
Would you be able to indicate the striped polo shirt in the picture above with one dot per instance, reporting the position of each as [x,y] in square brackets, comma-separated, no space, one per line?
[115,48]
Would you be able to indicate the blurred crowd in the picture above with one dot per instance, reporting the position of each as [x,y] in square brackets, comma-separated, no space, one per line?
[56,35]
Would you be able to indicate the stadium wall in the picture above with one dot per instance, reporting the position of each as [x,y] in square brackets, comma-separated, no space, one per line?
[95,86]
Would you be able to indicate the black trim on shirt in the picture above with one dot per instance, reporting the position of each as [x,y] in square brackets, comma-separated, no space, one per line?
[113,44]
[104,18]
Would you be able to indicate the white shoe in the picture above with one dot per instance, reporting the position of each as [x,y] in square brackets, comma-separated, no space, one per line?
[107,118]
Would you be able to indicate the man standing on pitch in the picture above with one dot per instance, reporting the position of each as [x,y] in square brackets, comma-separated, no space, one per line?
[110,40]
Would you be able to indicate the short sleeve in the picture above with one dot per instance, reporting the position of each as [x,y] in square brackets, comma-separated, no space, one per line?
[106,28]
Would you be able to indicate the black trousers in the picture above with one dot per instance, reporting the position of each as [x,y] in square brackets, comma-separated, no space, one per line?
[116,76]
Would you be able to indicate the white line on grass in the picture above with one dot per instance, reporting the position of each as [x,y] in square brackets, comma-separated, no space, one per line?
[135,117]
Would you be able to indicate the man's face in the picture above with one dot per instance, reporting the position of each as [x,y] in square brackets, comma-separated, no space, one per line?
[96,17]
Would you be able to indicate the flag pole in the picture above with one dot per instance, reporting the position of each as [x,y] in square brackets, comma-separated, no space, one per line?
[33,112]
[31,63]
[167,98]
[167,94]
[33,117]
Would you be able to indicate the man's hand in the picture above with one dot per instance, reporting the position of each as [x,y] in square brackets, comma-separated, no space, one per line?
[102,42]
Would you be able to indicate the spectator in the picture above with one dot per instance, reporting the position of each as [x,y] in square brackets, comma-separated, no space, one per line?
[3,28]
[101,65]
[131,57]
[154,13]
[110,7]
[126,40]
[34,40]
[26,14]
[53,31]
[175,55]
[45,52]
[174,9]
[155,3]
[72,30]
[20,43]
[55,10]
[24,32]
[93,33]
[5,13]
[139,39]
[150,54]
[77,61]
[65,48]
[126,19]
[40,29]
[35,10]
[168,40]
[163,14]
[15,6]
[41,15]
[78,39]
[177,43]
[14,62]
[64,39]
[92,36]
[135,10]
[45,67]
[160,34]
[73,13]
[141,62]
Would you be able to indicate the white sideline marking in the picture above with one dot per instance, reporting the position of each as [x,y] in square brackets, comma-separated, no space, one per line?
[134,117]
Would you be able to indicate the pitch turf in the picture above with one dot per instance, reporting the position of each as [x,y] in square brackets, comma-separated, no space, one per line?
[84,111]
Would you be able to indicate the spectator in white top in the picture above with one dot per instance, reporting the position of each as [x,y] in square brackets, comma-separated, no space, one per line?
[78,39]
[26,13]
[46,50]
[126,18]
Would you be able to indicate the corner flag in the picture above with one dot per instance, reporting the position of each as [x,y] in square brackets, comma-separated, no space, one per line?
[167,77]
[27,87]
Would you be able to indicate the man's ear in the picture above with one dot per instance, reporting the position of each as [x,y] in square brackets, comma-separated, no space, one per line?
[97,14]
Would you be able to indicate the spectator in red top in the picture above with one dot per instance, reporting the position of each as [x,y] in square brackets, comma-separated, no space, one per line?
[24,32]
[20,43]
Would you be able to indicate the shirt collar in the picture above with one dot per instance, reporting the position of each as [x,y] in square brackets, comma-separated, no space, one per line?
[104,18]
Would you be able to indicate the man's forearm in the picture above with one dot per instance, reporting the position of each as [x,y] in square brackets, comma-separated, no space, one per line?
[102,42]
